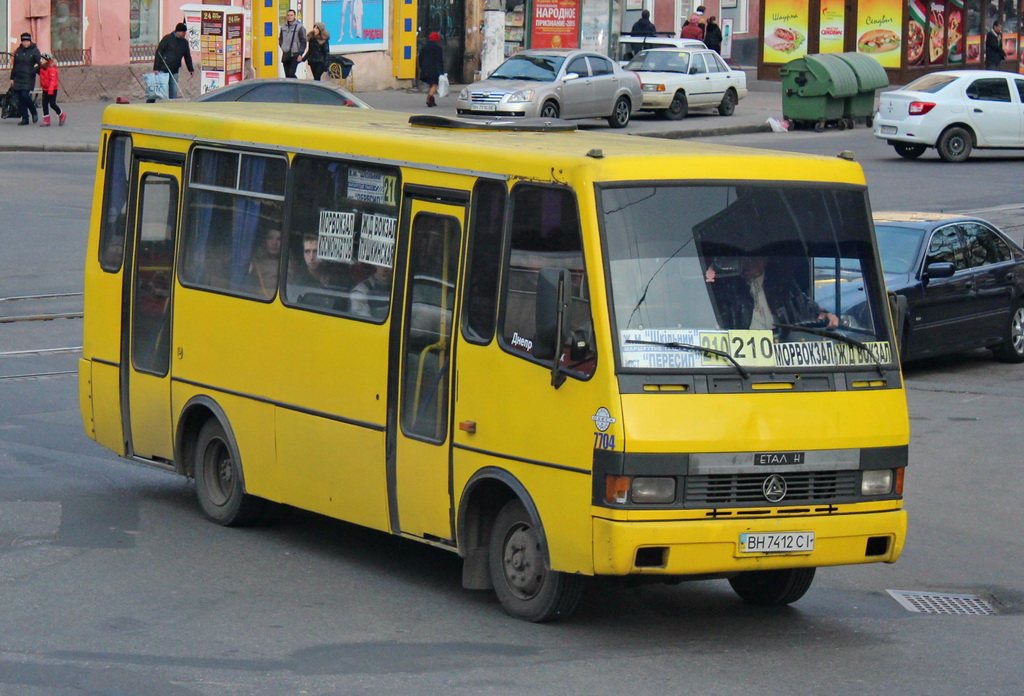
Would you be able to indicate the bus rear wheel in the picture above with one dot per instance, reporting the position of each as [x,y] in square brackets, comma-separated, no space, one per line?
[525,584]
[772,588]
[219,486]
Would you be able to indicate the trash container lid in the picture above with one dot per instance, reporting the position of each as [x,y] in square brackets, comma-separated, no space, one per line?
[870,73]
[829,74]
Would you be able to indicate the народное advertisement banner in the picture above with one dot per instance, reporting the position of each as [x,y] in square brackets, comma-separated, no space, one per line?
[556,24]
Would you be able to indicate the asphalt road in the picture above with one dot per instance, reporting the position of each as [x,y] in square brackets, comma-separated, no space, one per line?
[111,582]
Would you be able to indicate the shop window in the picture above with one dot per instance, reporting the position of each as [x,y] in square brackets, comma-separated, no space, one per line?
[143,22]
[65,25]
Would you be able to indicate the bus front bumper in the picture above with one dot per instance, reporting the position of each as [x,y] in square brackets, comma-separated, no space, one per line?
[697,547]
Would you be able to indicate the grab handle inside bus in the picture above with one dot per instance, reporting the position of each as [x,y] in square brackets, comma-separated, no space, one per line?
[553,288]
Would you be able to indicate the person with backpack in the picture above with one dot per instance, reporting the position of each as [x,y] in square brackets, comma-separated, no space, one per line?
[49,81]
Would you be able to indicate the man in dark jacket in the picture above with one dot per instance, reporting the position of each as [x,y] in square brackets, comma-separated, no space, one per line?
[994,52]
[431,65]
[756,299]
[24,67]
[644,26]
[169,53]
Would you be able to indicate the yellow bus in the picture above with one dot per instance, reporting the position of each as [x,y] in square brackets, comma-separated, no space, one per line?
[556,353]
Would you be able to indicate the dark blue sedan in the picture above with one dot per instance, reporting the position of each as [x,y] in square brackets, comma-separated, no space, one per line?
[963,280]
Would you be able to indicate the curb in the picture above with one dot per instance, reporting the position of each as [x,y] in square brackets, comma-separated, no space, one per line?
[709,132]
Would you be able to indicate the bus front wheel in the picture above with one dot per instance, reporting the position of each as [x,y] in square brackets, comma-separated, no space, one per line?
[772,588]
[219,486]
[526,586]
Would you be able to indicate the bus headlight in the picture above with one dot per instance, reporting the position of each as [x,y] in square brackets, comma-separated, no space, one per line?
[876,482]
[523,95]
[647,489]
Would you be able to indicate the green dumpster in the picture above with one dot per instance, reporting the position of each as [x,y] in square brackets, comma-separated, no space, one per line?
[870,76]
[815,89]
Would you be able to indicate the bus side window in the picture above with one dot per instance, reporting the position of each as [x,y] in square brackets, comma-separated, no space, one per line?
[234,222]
[484,265]
[115,203]
[545,233]
[343,224]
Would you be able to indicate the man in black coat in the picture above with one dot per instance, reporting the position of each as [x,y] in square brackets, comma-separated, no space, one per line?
[24,67]
[644,26]
[994,52]
[172,49]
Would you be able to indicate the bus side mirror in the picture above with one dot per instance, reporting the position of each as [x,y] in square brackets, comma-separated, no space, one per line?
[898,310]
[553,287]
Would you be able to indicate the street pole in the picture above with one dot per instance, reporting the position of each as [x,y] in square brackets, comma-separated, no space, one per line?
[493,51]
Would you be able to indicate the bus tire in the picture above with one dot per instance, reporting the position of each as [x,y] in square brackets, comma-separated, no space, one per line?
[220,488]
[772,588]
[525,584]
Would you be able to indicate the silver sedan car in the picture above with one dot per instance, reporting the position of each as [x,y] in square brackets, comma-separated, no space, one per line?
[552,83]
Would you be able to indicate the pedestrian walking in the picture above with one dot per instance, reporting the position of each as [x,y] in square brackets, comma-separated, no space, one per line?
[24,67]
[49,81]
[692,29]
[318,51]
[292,40]
[172,49]
[432,65]
[644,26]
[994,51]
[713,35]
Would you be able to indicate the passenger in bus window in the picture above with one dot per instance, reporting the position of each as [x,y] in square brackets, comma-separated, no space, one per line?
[372,295]
[761,295]
[265,263]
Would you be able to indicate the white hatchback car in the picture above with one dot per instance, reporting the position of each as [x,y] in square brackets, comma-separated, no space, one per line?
[675,79]
[953,111]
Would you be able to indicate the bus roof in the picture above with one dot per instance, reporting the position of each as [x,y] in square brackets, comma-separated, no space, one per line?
[389,136]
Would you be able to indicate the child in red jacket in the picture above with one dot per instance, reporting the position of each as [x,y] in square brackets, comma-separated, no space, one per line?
[49,80]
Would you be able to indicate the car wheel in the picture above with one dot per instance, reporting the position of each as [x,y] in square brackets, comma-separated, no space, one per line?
[955,144]
[909,151]
[550,110]
[620,114]
[678,109]
[728,105]
[772,588]
[1011,350]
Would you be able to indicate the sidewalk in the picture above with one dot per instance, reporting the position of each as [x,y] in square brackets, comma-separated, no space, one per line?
[81,132]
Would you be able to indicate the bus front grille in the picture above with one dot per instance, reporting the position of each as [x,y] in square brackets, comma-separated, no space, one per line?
[719,490]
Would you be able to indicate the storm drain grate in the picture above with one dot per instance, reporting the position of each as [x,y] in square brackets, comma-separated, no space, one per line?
[942,603]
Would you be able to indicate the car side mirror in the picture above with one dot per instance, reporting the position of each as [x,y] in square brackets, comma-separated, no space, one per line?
[942,269]
[693,70]
[570,76]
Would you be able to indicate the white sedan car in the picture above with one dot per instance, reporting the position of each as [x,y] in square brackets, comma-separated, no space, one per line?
[953,111]
[676,79]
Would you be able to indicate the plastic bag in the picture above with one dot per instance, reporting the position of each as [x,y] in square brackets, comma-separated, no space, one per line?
[443,87]
[156,84]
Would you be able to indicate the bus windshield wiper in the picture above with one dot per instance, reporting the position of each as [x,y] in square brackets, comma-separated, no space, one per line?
[698,349]
[842,338]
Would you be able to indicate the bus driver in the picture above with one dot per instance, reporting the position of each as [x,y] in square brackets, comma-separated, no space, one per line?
[758,298]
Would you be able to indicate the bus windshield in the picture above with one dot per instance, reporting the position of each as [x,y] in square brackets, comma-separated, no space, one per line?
[743,276]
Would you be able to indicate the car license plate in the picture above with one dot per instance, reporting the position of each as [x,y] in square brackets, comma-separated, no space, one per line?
[483,107]
[777,542]
[888,130]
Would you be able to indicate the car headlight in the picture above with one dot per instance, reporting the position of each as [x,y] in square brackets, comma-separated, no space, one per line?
[651,87]
[523,95]
[464,94]
[876,482]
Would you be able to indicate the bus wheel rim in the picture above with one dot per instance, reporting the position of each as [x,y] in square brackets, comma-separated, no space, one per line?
[523,562]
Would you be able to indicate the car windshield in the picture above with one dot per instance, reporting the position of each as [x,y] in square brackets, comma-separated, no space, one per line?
[660,61]
[930,83]
[532,67]
[898,247]
[772,276]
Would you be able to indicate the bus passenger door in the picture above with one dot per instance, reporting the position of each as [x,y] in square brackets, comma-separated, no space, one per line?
[146,324]
[419,446]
